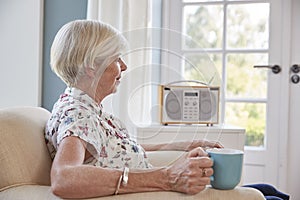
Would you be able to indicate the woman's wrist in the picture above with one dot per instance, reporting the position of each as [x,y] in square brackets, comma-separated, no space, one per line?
[123,180]
[168,184]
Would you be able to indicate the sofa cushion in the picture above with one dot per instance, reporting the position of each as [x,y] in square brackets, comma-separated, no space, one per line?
[24,157]
[163,158]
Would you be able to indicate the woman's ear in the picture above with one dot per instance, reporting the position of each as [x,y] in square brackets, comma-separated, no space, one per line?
[90,72]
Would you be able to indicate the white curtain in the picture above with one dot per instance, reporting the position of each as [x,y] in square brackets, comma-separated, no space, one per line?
[132,102]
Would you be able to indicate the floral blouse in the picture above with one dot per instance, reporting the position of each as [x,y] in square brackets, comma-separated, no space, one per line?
[77,114]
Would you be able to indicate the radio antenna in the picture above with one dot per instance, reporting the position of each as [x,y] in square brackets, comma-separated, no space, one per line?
[187,81]
[212,78]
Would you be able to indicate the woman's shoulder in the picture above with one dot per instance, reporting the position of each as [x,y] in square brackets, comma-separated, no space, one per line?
[76,104]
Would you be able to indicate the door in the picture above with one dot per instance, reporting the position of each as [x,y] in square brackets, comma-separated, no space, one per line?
[231,37]
[263,164]
[293,158]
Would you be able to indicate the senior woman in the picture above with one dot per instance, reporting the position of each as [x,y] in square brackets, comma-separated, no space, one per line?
[93,155]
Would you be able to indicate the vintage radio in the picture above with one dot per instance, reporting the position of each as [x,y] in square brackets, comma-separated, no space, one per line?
[189,104]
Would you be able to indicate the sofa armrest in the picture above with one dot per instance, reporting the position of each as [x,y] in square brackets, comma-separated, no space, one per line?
[239,193]
[163,158]
[157,159]
[36,192]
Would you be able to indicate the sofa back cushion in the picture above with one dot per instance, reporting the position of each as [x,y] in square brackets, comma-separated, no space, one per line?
[24,157]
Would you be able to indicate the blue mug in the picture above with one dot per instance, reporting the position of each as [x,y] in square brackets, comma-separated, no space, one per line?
[228,164]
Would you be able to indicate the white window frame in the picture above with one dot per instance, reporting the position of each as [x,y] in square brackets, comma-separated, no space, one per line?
[173,21]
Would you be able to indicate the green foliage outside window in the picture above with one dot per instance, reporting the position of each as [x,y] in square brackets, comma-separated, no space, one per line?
[204,25]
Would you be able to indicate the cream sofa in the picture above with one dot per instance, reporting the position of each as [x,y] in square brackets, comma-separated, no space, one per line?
[25,163]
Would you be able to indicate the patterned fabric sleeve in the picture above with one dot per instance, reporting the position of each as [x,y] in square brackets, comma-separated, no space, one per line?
[81,123]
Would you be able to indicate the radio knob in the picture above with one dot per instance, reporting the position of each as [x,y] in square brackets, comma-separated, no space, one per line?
[195,103]
[186,103]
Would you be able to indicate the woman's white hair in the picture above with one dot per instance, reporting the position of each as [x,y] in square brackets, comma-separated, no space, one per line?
[84,44]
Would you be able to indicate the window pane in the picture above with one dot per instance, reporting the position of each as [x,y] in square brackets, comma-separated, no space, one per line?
[196,1]
[252,117]
[203,67]
[243,0]
[242,79]
[204,25]
[248,26]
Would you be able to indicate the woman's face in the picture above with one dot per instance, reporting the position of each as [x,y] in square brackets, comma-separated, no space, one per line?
[110,78]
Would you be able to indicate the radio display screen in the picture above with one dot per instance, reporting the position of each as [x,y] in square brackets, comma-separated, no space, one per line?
[191,94]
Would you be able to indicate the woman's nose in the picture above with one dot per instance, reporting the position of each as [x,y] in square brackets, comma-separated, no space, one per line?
[123,65]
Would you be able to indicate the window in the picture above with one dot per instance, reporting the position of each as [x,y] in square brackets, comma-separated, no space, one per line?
[222,40]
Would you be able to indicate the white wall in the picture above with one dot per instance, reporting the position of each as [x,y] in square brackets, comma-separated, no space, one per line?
[20,52]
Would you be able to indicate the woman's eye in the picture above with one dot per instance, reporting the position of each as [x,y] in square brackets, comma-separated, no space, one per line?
[117,60]
[120,61]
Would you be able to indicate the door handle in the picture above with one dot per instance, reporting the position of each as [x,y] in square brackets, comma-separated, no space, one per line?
[275,68]
[295,68]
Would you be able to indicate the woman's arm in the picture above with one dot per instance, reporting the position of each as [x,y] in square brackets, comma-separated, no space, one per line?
[182,145]
[71,179]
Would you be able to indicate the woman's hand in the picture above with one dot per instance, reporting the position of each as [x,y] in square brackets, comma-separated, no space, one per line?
[205,144]
[183,145]
[191,173]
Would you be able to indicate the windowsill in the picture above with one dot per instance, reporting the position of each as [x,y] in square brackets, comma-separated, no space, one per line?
[253,148]
[190,127]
